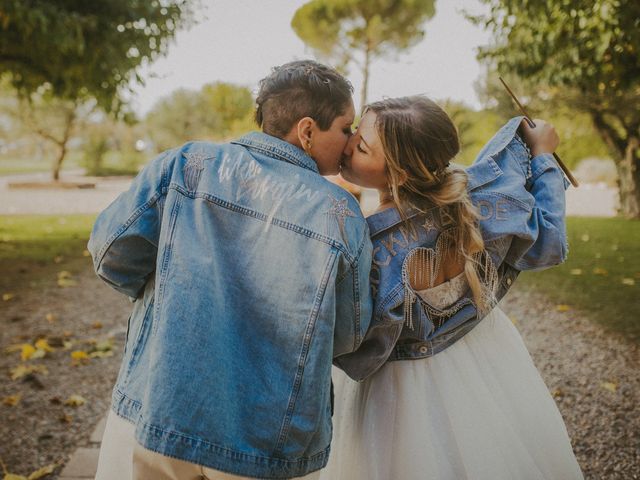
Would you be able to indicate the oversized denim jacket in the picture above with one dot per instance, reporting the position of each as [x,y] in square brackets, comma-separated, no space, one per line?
[521,202]
[250,273]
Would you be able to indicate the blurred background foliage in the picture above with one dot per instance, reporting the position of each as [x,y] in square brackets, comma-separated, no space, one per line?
[64,104]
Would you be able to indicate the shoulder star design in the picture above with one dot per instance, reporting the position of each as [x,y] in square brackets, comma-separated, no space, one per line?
[195,160]
[340,210]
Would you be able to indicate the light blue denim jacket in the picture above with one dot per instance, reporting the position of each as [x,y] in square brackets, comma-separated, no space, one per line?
[250,273]
[521,202]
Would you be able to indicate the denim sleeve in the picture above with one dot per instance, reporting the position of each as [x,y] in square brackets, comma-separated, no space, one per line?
[378,342]
[353,302]
[545,243]
[124,239]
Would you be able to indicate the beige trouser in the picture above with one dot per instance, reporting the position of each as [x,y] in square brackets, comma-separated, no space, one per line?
[148,465]
[122,458]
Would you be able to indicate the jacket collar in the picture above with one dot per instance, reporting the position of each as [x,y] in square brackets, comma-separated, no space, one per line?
[277,148]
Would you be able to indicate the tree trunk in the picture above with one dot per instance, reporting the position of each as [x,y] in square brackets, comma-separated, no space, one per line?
[626,155]
[365,78]
[57,166]
[629,180]
[58,163]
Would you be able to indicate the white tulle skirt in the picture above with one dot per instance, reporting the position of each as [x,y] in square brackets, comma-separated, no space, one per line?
[477,410]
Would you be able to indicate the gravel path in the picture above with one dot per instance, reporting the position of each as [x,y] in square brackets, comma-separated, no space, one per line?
[56,201]
[594,377]
[592,374]
[41,429]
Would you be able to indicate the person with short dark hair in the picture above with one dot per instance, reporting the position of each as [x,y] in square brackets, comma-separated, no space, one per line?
[250,275]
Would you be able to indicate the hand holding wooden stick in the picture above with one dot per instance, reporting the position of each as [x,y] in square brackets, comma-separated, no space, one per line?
[564,168]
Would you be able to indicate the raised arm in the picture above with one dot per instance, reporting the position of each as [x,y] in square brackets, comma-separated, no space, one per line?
[545,244]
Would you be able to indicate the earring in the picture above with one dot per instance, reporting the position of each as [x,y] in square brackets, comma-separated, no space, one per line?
[307,147]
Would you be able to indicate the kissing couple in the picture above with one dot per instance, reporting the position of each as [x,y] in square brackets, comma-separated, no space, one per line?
[251,275]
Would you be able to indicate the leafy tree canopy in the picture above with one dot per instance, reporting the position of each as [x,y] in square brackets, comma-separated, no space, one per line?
[85,48]
[584,54]
[337,29]
[383,25]
[591,45]
[215,112]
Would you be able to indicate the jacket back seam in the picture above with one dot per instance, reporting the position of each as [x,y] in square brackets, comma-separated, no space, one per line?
[308,335]
[262,217]
[173,220]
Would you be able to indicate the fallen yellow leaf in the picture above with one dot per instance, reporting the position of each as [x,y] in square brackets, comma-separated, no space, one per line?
[96,325]
[12,400]
[42,344]
[557,393]
[24,370]
[43,472]
[75,401]
[576,271]
[58,259]
[79,356]
[612,387]
[86,253]
[65,279]
[27,352]
[600,271]
[563,308]
[101,354]
[628,281]
[50,317]
[104,345]
[7,296]
[585,237]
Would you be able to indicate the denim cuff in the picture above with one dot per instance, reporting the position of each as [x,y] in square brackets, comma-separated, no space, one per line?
[541,163]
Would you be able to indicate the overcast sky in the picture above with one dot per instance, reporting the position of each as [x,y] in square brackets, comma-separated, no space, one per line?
[239,41]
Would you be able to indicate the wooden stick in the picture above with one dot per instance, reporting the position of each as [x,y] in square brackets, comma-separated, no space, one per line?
[561,164]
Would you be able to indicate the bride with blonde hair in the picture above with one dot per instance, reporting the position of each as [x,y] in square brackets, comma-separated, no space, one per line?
[446,387]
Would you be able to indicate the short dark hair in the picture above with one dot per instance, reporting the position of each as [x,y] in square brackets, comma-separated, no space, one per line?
[299,89]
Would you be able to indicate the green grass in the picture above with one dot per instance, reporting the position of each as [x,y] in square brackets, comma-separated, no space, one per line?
[35,246]
[601,276]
